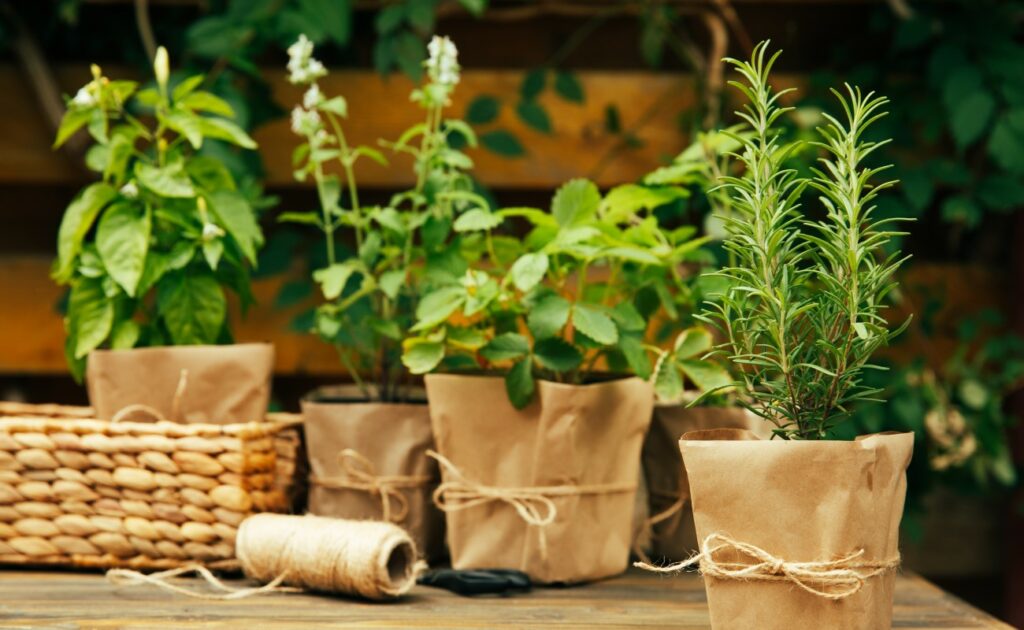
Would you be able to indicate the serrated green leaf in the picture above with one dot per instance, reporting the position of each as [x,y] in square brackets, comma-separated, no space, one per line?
[594,323]
[332,279]
[505,347]
[575,202]
[477,219]
[437,306]
[548,316]
[391,282]
[668,383]
[692,342]
[423,356]
[519,383]
[706,375]
[529,270]
[122,239]
[632,347]
[557,354]
[466,338]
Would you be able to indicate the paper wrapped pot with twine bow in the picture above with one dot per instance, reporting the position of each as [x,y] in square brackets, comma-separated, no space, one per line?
[368,461]
[796,534]
[548,489]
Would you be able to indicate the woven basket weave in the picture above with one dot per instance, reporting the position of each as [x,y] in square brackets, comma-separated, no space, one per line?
[76,491]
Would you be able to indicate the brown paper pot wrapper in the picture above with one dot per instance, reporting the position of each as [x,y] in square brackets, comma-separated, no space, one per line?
[571,435]
[801,501]
[387,443]
[222,384]
[674,537]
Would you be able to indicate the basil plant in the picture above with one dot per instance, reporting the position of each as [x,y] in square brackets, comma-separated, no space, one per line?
[396,251]
[149,249]
[574,297]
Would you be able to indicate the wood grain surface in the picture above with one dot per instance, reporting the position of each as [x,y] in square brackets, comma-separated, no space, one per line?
[70,600]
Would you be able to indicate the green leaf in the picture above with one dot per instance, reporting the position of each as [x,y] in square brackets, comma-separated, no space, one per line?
[476,220]
[207,102]
[519,383]
[692,342]
[482,110]
[90,315]
[437,306]
[186,86]
[960,80]
[534,115]
[186,124]
[575,202]
[212,252]
[209,173]
[476,7]
[72,121]
[594,323]
[391,282]
[336,105]
[706,375]
[1006,144]
[389,329]
[78,220]
[624,201]
[125,335]
[292,292]
[193,307]
[548,316]
[334,16]
[961,209]
[628,318]
[503,143]
[226,130]
[466,338]
[167,181]
[970,117]
[122,239]
[506,346]
[1001,192]
[668,383]
[568,86]
[423,356]
[632,348]
[557,354]
[305,218]
[529,270]
[533,84]
[332,279]
[233,211]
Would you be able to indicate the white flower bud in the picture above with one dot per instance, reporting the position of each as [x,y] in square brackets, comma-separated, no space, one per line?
[130,190]
[84,98]
[211,231]
[161,67]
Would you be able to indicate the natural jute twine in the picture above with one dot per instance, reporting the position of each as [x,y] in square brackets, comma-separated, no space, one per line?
[358,473]
[831,579]
[535,505]
[371,559]
[671,511]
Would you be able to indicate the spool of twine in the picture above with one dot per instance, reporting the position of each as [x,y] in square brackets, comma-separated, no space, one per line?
[371,559]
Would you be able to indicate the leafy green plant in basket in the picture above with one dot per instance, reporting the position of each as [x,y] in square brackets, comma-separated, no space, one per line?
[149,249]
[402,248]
[804,309]
[575,296]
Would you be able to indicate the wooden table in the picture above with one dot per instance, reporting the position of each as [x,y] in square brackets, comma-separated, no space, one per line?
[69,599]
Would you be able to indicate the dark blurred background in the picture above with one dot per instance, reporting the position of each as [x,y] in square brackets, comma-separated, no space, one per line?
[608,90]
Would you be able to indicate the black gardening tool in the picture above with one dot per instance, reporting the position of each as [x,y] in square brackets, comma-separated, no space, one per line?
[478,581]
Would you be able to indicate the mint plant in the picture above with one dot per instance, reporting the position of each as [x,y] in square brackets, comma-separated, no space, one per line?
[575,296]
[402,249]
[149,249]
[803,312]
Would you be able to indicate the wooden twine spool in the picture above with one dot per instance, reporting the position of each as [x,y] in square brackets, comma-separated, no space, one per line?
[371,559]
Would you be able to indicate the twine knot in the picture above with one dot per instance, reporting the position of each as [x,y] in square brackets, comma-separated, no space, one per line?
[358,473]
[534,505]
[831,579]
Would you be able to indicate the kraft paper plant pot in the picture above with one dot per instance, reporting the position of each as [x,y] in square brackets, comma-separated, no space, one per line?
[670,519]
[548,489]
[369,461]
[191,384]
[769,504]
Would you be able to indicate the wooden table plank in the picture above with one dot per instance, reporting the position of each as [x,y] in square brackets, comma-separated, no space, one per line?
[35,599]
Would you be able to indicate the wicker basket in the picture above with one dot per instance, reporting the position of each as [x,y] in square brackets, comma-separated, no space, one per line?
[76,491]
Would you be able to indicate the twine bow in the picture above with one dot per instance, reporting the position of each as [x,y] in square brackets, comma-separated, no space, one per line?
[358,473]
[534,505]
[153,413]
[831,579]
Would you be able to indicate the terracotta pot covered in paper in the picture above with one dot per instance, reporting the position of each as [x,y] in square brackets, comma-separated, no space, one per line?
[191,384]
[368,461]
[800,502]
[673,536]
[570,459]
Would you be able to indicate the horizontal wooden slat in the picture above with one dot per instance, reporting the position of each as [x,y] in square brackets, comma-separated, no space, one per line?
[32,335]
[380,108]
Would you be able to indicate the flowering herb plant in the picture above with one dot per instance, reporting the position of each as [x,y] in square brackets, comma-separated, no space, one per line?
[574,297]
[401,249]
[803,311]
[149,249]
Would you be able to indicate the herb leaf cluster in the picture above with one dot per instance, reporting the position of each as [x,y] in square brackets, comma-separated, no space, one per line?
[804,309]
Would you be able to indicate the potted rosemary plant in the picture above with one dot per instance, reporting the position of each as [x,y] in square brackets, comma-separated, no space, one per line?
[803,530]
[367,443]
[149,250]
[540,452]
